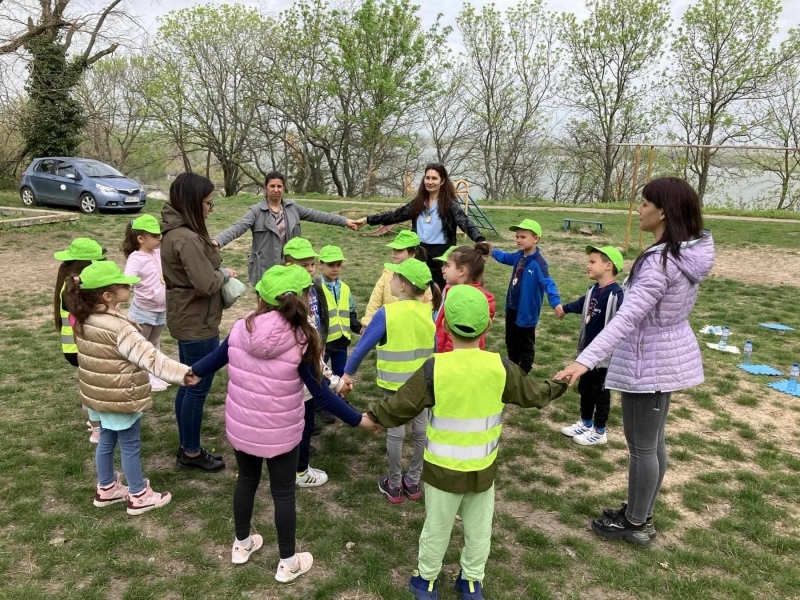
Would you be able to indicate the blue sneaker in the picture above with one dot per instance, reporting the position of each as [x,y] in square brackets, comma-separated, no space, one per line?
[469,590]
[422,588]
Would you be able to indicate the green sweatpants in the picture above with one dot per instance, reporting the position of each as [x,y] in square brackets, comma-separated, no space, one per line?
[441,508]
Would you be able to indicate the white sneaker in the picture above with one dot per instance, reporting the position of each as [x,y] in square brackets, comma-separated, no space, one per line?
[590,437]
[577,428]
[241,554]
[311,478]
[302,564]
[157,385]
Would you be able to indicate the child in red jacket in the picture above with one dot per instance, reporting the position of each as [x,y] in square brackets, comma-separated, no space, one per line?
[462,264]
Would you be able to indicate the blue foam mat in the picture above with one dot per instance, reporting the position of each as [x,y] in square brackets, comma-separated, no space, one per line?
[783,385]
[759,370]
[777,326]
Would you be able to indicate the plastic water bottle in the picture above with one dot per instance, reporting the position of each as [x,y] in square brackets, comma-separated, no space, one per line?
[748,352]
[794,373]
[723,341]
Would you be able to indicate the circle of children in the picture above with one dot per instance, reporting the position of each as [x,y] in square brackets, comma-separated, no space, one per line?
[426,349]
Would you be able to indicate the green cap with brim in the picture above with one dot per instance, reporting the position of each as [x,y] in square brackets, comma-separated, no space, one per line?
[280,280]
[530,225]
[146,223]
[404,240]
[466,311]
[447,252]
[417,272]
[299,248]
[104,273]
[331,254]
[81,249]
[614,255]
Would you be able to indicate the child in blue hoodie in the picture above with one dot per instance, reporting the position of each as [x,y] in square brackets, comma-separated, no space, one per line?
[530,280]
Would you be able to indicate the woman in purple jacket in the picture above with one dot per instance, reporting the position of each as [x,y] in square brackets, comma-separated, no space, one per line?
[653,349]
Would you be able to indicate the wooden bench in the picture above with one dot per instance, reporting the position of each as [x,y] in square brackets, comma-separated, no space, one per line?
[598,225]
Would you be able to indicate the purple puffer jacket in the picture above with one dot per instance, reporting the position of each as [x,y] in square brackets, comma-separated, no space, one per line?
[650,341]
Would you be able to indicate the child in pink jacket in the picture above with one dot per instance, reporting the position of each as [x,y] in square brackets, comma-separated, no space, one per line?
[271,354]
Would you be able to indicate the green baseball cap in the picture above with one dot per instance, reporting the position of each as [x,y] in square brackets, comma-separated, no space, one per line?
[81,249]
[530,225]
[466,310]
[330,254]
[614,255]
[102,273]
[416,271]
[146,223]
[405,239]
[279,280]
[299,248]
[447,252]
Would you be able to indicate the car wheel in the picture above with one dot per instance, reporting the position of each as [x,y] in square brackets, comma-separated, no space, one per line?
[28,197]
[87,204]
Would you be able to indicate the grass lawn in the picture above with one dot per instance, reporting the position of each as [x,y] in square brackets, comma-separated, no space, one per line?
[728,516]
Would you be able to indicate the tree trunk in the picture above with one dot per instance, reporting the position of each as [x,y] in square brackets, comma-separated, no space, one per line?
[334,172]
[705,166]
[608,173]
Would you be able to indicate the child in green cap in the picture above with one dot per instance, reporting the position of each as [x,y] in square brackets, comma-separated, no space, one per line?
[406,245]
[342,316]
[114,363]
[81,253]
[465,391]
[530,281]
[403,332]
[597,307]
[142,248]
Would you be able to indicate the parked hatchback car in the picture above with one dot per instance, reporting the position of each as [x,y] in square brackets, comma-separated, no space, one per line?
[88,184]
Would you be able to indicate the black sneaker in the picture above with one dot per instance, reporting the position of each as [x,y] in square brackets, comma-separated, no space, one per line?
[325,416]
[613,513]
[312,451]
[317,430]
[213,455]
[393,494]
[621,529]
[201,462]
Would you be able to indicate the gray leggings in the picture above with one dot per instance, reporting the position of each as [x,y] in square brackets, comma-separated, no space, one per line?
[394,448]
[644,418]
[152,333]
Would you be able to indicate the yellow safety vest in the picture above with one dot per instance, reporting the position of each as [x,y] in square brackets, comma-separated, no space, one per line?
[409,342]
[67,336]
[466,421]
[338,316]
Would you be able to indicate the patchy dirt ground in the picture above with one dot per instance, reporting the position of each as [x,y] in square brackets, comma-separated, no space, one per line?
[767,266]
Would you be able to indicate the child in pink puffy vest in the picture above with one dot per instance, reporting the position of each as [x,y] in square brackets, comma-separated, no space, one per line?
[271,354]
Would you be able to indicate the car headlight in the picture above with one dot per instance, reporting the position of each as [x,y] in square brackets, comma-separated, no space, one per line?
[105,188]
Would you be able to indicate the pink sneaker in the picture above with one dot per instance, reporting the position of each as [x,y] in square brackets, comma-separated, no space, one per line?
[147,500]
[111,494]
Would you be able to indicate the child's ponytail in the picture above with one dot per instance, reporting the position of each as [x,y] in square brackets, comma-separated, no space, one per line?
[65,270]
[82,303]
[436,301]
[419,253]
[131,242]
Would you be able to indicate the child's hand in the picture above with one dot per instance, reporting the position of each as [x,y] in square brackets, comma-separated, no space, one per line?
[368,424]
[559,310]
[191,379]
[571,373]
[347,387]
[348,380]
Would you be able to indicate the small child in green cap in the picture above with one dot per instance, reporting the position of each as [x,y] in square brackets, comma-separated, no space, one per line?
[597,307]
[530,281]
[342,316]
[465,391]
[142,248]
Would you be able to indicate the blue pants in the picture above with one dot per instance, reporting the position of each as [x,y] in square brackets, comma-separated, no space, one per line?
[130,446]
[338,360]
[190,400]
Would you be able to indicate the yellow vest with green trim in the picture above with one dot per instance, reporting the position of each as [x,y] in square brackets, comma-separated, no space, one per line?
[68,345]
[467,418]
[338,316]
[409,343]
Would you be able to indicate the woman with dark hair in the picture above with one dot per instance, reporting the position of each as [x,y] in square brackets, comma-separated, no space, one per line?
[194,278]
[653,349]
[434,214]
[274,221]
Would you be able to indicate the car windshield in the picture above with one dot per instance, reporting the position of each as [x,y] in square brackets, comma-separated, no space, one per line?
[94,168]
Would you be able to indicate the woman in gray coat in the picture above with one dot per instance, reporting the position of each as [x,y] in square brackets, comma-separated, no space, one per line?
[274,221]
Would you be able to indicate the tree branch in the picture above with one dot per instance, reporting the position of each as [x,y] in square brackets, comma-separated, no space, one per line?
[87,53]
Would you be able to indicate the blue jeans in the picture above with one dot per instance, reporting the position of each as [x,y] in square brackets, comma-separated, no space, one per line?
[190,400]
[130,446]
[338,360]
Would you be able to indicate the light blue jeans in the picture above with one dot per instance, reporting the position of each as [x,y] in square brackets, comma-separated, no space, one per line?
[130,446]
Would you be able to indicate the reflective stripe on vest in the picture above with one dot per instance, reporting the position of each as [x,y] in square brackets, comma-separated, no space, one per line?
[338,316]
[409,342]
[467,419]
[68,345]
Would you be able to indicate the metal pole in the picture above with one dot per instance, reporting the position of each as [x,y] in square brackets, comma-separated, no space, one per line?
[462,189]
[633,196]
[647,180]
